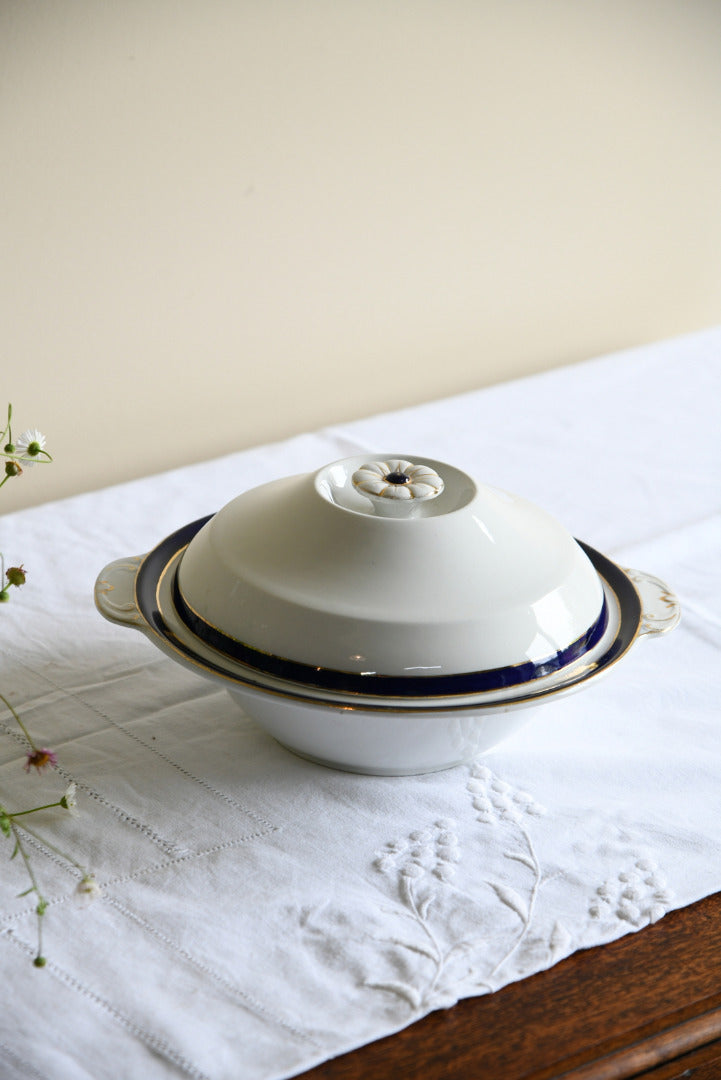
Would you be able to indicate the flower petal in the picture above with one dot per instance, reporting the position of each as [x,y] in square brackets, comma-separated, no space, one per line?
[421,491]
[397,491]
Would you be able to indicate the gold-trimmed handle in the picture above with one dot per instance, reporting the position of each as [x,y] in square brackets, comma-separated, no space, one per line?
[660,606]
[115,592]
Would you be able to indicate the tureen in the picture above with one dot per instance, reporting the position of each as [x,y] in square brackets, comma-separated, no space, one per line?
[385,616]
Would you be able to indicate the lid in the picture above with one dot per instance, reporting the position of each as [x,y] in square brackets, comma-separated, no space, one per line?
[375,576]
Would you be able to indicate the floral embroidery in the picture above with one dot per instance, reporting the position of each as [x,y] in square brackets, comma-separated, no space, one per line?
[424,868]
[638,895]
[434,940]
[423,865]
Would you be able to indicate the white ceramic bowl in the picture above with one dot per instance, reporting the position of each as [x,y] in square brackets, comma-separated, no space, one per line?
[385,616]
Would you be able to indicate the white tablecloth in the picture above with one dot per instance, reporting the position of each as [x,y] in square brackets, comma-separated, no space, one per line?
[261,913]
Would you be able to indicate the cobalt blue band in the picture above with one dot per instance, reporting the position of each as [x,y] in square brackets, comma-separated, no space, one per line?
[350,682]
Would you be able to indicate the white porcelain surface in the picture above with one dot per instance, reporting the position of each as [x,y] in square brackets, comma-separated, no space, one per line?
[204,655]
[308,569]
[368,735]
[456,577]
[388,743]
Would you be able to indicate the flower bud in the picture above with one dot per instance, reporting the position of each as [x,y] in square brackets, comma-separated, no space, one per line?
[12,468]
[88,888]
[15,575]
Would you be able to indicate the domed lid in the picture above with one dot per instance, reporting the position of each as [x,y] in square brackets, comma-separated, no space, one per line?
[377,576]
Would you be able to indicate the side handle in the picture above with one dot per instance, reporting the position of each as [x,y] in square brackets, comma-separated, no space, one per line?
[660,606]
[115,592]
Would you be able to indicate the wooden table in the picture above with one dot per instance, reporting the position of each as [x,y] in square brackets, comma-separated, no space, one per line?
[648,1005]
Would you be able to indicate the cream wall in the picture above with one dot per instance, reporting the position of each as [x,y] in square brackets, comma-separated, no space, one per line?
[225,222]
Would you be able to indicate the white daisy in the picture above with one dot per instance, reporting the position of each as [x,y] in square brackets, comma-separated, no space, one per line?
[29,445]
[68,801]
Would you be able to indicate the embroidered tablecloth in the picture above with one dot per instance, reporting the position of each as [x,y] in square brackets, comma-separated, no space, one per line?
[260,913]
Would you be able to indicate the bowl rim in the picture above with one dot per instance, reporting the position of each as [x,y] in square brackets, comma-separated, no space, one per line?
[154,589]
[374,684]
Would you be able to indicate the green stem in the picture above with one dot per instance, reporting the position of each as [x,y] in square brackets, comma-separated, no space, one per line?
[43,840]
[22,727]
[20,813]
[26,860]
[42,902]
[8,430]
[27,459]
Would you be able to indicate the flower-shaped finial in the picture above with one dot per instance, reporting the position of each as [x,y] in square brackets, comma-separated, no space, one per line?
[397,481]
